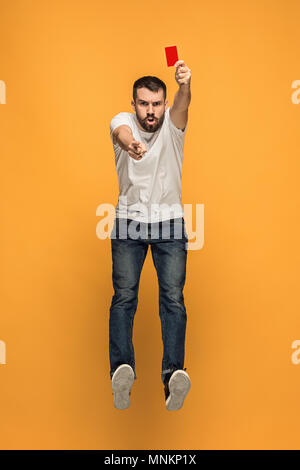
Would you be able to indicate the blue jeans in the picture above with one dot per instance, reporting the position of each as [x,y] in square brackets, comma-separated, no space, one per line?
[129,244]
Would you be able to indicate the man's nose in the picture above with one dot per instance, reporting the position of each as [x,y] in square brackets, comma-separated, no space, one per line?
[150,109]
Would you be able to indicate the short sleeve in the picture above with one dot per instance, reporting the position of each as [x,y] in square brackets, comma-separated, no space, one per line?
[177,134]
[120,120]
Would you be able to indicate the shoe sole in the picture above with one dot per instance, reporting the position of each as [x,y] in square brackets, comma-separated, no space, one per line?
[122,381]
[179,386]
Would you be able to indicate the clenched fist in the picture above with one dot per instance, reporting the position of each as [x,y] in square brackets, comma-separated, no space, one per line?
[136,149]
[183,73]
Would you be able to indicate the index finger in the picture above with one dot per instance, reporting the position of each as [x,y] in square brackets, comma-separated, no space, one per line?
[179,62]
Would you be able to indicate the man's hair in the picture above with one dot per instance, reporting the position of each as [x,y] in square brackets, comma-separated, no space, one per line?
[152,83]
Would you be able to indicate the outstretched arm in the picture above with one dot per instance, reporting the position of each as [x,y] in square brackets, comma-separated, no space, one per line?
[124,137]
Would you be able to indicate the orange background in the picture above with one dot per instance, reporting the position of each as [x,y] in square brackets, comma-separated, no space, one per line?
[69,67]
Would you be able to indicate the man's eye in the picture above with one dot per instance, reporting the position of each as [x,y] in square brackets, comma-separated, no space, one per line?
[155,104]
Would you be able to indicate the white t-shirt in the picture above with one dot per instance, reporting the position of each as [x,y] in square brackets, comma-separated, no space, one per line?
[150,188]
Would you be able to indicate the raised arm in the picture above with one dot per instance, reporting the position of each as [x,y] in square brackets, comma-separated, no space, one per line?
[182,99]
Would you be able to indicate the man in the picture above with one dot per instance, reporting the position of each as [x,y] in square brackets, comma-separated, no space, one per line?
[148,148]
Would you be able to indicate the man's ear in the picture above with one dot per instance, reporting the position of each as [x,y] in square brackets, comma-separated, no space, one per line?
[166,104]
[133,105]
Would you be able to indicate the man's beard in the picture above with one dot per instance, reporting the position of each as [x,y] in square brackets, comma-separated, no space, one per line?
[153,127]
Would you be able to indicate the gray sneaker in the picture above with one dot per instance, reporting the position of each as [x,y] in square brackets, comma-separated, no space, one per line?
[122,381]
[177,389]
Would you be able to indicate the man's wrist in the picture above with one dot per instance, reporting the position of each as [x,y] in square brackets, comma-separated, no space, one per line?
[185,88]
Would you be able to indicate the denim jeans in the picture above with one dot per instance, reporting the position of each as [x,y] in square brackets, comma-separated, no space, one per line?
[129,244]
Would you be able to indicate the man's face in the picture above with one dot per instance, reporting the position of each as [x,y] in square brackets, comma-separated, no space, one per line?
[150,104]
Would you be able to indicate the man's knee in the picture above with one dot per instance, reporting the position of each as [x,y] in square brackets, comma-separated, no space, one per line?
[125,296]
[173,296]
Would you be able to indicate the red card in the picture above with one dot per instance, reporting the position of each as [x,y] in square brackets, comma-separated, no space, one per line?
[171,55]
